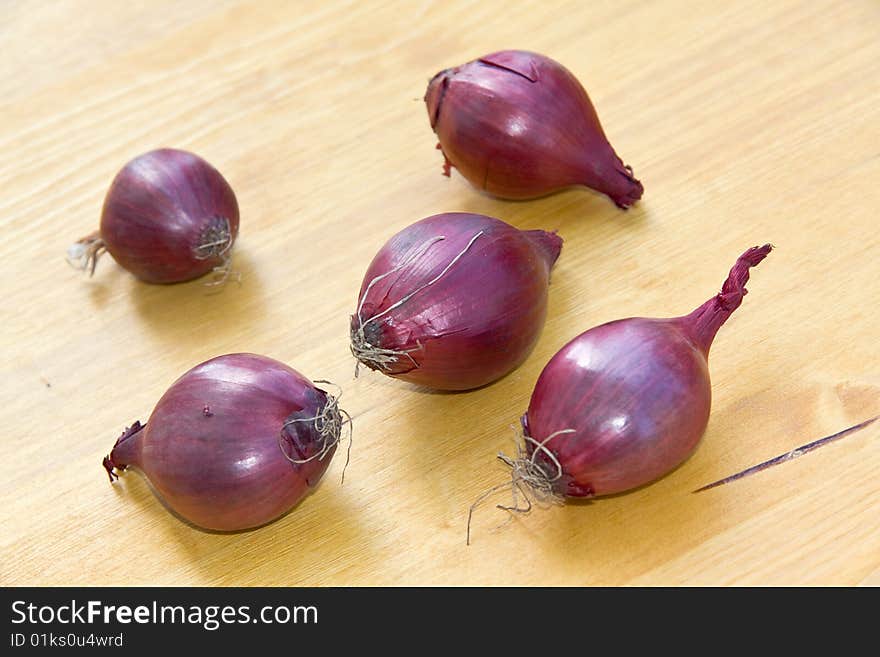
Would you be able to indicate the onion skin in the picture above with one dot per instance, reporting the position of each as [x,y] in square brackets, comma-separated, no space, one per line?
[477,322]
[212,448]
[169,217]
[635,391]
[519,125]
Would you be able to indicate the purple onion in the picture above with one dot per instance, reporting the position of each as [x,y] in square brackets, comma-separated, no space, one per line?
[624,403]
[235,442]
[519,125]
[454,301]
[168,217]
[633,396]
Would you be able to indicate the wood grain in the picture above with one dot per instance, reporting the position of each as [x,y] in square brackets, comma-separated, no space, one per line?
[747,122]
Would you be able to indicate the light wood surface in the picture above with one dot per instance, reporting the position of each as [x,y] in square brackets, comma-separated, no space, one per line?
[747,122]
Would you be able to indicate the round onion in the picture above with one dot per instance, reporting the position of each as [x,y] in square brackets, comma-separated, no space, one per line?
[235,442]
[454,301]
[168,217]
[519,125]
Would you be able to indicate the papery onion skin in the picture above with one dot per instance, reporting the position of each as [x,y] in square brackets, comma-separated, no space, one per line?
[519,125]
[169,216]
[478,321]
[212,448]
[635,391]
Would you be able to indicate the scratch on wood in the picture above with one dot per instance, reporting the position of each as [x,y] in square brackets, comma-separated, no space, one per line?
[788,456]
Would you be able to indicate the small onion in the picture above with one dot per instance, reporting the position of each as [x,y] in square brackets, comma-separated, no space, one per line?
[168,217]
[623,403]
[235,442]
[454,301]
[519,125]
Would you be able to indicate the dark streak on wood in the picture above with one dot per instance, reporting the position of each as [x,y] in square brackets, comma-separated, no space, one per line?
[788,456]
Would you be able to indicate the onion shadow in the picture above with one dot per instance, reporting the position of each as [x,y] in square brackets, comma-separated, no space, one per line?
[184,313]
[284,546]
[591,211]
[104,283]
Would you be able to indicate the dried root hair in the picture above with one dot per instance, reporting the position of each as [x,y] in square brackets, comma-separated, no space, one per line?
[216,242]
[83,254]
[529,479]
[380,358]
[377,357]
[328,424]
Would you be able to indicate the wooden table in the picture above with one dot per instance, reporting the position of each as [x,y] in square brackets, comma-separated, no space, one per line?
[747,122]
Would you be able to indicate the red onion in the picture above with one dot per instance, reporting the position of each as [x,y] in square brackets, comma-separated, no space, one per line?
[519,125]
[454,301]
[169,216]
[625,402]
[235,442]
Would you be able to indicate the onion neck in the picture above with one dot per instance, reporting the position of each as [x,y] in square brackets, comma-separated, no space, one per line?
[126,451]
[548,245]
[605,172]
[437,88]
[703,323]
